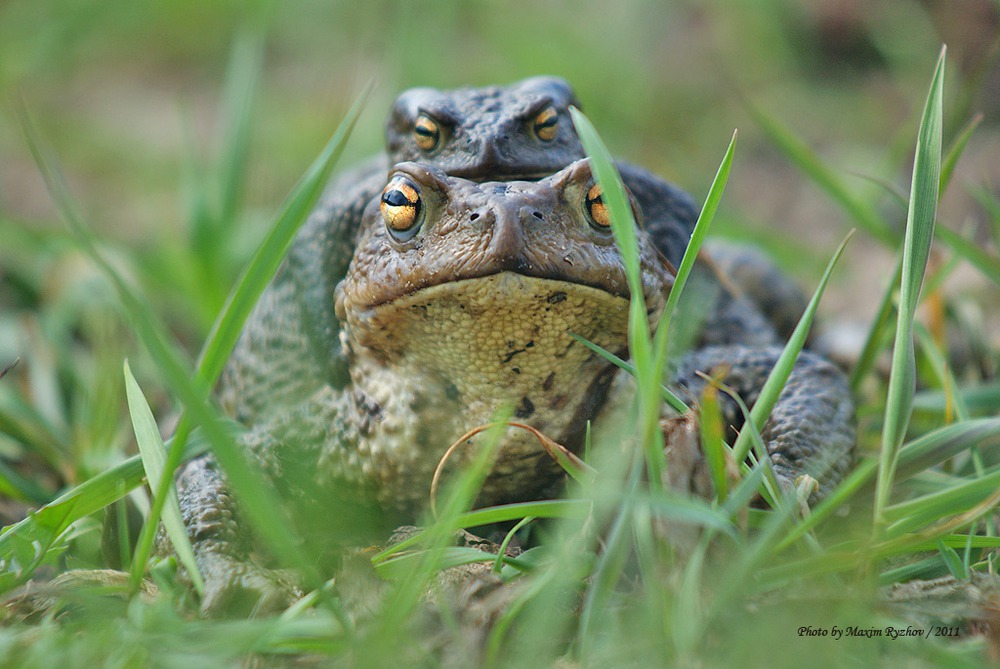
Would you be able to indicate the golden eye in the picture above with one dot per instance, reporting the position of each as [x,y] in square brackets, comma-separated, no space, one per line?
[597,209]
[400,208]
[546,124]
[426,132]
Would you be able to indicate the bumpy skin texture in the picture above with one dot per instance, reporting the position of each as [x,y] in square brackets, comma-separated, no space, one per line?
[352,388]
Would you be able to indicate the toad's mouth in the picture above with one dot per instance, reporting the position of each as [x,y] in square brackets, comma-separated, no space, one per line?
[500,320]
[453,277]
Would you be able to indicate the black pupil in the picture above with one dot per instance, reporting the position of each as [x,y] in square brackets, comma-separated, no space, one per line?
[547,123]
[425,131]
[397,198]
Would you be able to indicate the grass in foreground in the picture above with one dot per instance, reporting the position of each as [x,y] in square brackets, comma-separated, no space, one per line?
[624,573]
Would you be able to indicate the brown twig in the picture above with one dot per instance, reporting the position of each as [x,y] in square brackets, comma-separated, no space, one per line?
[573,465]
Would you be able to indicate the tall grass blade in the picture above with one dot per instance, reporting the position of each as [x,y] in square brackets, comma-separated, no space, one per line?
[956,150]
[988,201]
[712,442]
[676,403]
[921,511]
[988,264]
[916,456]
[697,238]
[241,89]
[920,217]
[863,214]
[778,377]
[262,267]
[272,250]
[45,525]
[262,508]
[955,407]
[878,333]
[640,343]
[153,453]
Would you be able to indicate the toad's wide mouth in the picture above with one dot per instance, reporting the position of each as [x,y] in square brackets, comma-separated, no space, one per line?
[453,277]
[491,320]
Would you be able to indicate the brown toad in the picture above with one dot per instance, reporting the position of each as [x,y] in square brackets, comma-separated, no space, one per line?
[459,302]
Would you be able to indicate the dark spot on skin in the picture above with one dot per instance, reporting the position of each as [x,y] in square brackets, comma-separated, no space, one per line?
[525,409]
[511,354]
[556,298]
[451,392]
[558,402]
[516,370]
[547,383]
[369,411]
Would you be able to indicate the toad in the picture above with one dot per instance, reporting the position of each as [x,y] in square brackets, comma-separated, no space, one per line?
[458,302]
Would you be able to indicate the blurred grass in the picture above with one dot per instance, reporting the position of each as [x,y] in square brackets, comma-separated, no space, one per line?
[181,175]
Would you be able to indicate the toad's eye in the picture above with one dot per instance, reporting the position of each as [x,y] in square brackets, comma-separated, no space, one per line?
[596,208]
[400,208]
[546,124]
[427,132]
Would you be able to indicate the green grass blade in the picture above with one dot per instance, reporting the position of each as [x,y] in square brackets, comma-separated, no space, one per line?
[988,201]
[694,246]
[981,398]
[956,150]
[863,214]
[920,217]
[955,404]
[676,403]
[230,322]
[640,343]
[402,566]
[878,332]
[554,508]
[46,524]
[915,457]
[241,88]
[920,512]
[988,264]
[758,472]
[712,443]
[262,508]
[25,424]
[153,454]
[956,566]
[272,250]
[778,377]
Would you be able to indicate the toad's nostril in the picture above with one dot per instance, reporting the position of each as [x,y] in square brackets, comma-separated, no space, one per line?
[474,215]
[537,214]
